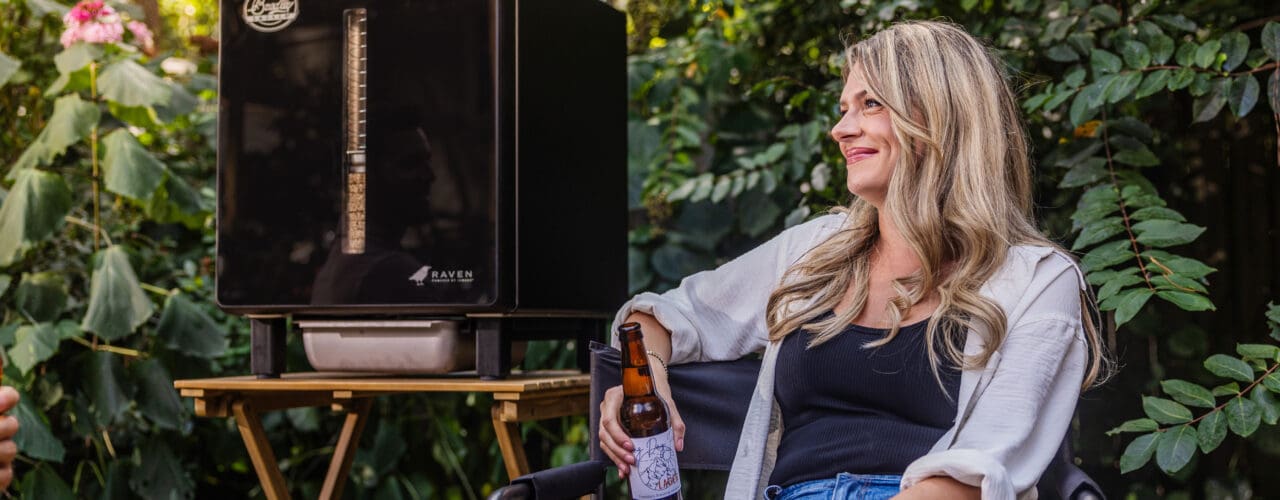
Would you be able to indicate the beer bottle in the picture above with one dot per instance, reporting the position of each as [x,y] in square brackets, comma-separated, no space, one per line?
[655,474]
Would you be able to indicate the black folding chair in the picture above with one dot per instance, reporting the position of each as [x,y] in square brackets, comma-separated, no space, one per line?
[713,402]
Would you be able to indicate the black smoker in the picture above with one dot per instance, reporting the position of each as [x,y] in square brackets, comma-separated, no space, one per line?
[441,160]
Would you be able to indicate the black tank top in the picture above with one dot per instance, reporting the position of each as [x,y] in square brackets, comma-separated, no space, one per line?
[846,408]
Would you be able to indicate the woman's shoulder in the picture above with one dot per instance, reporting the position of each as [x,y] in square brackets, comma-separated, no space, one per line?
[1038,276]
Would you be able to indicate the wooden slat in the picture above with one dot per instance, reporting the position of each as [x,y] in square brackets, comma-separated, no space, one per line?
[264,460]
[345,451]
[321,381]
[539,409]
[508,436]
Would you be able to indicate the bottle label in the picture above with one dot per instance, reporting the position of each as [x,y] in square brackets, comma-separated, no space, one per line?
[656,474]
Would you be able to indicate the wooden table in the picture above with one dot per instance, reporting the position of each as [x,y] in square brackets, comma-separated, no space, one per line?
[520,397]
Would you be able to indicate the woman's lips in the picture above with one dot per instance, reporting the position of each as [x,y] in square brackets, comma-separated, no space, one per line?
[855,155]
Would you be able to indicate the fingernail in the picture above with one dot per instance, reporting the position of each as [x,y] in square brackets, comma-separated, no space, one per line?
[630,459]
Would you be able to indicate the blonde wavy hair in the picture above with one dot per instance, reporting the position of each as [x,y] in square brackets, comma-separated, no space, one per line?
[961,197]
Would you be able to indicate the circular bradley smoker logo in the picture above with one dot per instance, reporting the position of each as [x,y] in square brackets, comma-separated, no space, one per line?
[269,15]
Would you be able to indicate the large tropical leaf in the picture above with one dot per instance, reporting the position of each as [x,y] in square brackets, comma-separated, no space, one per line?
[157,398]
[8,67]
[42,296]
[129,169]
[33,345]
[117,304]
[102,378]
[160,475]
[34,438]
[33,209]
[186,328]
[72,121]
[130,84]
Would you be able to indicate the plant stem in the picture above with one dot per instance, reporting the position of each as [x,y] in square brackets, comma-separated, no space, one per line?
[90,226]
[1238,395]
[93,146]
[1124,212]
[133,353]
[157,290]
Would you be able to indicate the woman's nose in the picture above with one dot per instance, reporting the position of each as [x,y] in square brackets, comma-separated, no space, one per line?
[846,128]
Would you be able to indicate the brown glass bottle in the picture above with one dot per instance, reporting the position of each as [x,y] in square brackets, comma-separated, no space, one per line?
[655,475]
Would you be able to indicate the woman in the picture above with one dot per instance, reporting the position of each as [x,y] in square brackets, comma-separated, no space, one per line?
[927,342]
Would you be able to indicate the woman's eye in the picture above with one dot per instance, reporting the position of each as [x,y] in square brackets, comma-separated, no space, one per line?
[870,103]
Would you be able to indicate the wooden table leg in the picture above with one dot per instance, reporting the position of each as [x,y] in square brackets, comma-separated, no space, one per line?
[508,434]
[345,451]
[264,460]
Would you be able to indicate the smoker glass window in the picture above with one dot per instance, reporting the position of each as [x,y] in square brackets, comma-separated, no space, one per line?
[358,156]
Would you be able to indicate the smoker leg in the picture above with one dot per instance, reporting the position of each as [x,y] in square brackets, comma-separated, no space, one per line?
[267,338]
[493,348]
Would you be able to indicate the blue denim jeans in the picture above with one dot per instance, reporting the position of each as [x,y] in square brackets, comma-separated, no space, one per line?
[844,486]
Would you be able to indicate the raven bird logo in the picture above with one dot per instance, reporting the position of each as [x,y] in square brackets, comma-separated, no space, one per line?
[419,277]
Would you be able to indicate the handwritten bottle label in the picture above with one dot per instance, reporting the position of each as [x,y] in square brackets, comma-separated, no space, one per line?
[656,474]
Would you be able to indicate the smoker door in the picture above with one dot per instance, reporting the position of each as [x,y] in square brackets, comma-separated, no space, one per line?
[424,211]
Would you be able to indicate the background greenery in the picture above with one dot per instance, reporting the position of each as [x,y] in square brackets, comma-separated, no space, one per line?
[1155,128]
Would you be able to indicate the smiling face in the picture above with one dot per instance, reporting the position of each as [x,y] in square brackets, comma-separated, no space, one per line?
[866,139]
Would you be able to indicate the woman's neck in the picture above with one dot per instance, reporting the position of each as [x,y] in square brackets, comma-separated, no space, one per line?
[892,253]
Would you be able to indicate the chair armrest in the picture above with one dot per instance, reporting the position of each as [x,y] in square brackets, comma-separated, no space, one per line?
[561,483]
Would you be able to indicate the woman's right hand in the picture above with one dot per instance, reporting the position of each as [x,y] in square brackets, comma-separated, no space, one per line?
[614,440]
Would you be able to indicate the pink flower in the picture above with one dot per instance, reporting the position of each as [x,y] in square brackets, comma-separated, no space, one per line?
[142,35]
[92,21]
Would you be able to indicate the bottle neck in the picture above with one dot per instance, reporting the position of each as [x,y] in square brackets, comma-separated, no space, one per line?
[636,378]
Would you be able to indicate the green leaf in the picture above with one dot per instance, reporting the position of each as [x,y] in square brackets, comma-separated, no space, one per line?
[1258,351]
[1271,40]
[673,262]
[1157,213]
[1173,282]
[1155,81]
[1186,55]
[34,437]
[117,304]
[33,345]
[1181,78]
[1175,448]
[186,328]
[1105,14]
[1138,453]
[1104,62]
[1165,411]
[1098,231]
[1085,105]
[1139,425]
[1272,382]
[1205,108]
[41,296]
[1166,233]
[1087,172]
[1230,367]
[1273,91]
[72,121]
[1243,416]
[129,169]
[8,67]
[1107,255]
[1202,84]
[1116,283]
[32,211]
[1187,268]
[1123,85]
[1161,49]
[160,473]
[1062,53]
[103,385]
[1137,157]
[1176,21]
[129,84]
[1096,203]
[157,399]
[45,7]
[1130,302]
[43,483]
[1188,393]
[1187,301]
[1213,428]
[1267,405]
[76,57]
[721,190]
[1136,54]
[1206,54]
[1244,94]
[1236,46]
[1227,389]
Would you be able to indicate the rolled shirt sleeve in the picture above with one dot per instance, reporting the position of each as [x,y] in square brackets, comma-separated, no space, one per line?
[719,314]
